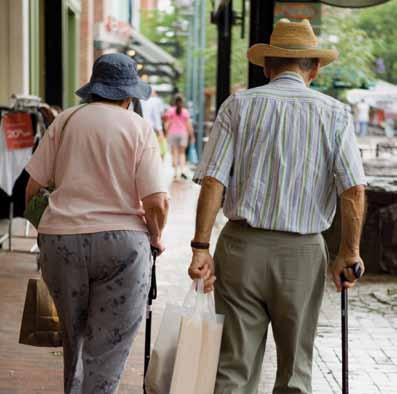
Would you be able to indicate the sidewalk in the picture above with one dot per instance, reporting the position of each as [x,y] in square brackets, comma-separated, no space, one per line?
[373,324]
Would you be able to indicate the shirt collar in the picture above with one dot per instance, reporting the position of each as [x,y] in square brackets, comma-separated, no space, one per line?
[289,76]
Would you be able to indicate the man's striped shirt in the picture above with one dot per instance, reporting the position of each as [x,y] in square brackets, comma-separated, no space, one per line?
[283,152]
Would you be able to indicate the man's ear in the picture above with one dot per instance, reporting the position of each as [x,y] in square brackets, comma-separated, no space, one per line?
[314,72]
[266,70]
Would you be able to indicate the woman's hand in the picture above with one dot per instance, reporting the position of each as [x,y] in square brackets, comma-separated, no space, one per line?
[155,242]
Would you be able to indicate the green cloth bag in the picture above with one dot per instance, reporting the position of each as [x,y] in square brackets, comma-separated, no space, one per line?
[36,207]
[39,203]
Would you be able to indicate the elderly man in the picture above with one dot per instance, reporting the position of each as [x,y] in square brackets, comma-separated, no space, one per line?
[282,153]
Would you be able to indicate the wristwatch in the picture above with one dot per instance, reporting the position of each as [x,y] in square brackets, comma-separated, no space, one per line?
[199,245]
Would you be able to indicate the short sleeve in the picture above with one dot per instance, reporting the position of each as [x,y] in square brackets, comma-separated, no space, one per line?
[218,153]
[150,176]
[41,165]
[348,166]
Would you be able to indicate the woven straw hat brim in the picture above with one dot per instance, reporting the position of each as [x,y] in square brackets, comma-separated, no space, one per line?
[258,52]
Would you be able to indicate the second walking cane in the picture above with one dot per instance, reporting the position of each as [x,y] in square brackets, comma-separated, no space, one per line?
[345,329]
[148,329]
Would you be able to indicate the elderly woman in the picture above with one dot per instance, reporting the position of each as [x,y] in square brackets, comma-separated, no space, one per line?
[109,206]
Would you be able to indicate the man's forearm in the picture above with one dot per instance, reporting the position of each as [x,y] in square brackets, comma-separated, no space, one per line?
[209,203]
[352,214]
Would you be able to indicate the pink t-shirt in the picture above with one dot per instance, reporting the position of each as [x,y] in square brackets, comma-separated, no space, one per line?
[177,124]
[107,162]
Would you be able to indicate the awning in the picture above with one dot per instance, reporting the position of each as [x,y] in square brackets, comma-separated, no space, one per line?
[383,95]
[156,61]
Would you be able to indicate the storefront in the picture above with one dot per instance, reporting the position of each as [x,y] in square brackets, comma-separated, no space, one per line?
[14,48]
[39,48]
[117,30]
[54,50]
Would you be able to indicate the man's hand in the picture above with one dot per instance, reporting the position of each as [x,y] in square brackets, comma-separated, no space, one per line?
[341,265]
[202,267]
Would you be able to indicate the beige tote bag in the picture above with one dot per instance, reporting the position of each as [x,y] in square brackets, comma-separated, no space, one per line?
[193,325]
[198,347]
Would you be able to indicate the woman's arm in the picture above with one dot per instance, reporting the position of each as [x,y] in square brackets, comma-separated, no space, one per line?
[32,189]
[156,212]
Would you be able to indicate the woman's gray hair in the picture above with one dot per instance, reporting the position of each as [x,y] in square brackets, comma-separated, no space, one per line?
[304,63]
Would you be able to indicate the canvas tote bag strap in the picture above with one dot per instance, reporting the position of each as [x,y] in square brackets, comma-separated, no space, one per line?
[61,136]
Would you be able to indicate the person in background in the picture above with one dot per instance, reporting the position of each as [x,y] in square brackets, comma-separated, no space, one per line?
[282,153]
[152,111]
[363,117]
[108,208]
[179,131]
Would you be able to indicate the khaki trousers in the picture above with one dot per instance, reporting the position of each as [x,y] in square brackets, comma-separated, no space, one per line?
[268,277]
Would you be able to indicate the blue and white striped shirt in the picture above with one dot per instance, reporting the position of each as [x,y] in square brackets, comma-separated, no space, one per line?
[292,150]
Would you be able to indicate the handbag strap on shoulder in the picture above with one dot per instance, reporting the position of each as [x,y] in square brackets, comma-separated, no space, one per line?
[61,136]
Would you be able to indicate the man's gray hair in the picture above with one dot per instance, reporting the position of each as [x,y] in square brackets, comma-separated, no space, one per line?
[304,63]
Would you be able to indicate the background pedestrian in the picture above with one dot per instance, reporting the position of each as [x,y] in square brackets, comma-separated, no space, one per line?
[363,117]
[179,131]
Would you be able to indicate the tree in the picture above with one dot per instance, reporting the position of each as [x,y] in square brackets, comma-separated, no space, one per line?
[378,22]
[354,67]
[239,63]
[164,29]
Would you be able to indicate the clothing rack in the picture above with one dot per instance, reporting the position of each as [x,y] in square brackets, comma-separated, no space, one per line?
[31,105]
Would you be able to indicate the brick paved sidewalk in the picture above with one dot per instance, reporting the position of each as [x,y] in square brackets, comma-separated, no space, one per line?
[373,324]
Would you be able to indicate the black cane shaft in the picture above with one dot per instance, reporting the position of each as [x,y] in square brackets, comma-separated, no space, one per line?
[148,328]
[147,342]
[345,343]
[356,269]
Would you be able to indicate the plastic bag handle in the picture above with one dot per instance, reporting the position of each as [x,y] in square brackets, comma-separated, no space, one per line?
[198,300]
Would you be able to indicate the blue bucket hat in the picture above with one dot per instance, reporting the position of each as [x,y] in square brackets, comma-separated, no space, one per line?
[115,77]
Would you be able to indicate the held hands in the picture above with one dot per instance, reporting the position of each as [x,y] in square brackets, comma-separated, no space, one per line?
[202,267]
[341,265]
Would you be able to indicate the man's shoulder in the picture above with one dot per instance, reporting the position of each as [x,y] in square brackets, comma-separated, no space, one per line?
[306,94]
[328,101]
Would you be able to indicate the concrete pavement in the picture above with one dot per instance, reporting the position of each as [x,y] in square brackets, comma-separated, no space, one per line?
[373,323]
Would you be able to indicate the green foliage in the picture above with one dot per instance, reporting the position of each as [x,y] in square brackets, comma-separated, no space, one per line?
[360,36]
[379,23]
[239,63]
[354,67]
[156,25]
[210,52]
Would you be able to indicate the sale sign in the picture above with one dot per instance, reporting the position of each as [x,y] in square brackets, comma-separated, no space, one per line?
[18,130]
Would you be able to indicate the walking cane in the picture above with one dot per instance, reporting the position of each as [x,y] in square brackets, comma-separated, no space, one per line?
[148,329]
[345,330]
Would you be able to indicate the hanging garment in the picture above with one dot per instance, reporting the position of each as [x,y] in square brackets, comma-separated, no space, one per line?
[12,162]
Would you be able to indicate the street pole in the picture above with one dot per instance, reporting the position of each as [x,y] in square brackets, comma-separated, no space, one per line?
[196,48]
[224,26]
[201,101]
[189,54]
[261,27]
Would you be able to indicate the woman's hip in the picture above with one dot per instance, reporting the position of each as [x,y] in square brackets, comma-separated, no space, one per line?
[102,251]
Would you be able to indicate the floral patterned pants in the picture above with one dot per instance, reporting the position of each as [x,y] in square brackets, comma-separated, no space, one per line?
[100,284]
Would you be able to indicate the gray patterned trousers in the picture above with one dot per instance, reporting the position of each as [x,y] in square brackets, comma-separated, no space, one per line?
[99,283]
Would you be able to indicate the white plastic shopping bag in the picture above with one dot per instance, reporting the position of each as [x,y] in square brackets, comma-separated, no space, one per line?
[186,353]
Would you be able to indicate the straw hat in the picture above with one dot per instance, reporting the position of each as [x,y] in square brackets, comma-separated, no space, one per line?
[293,40]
